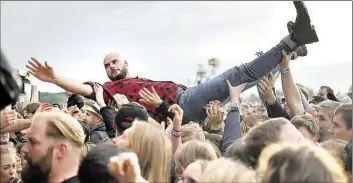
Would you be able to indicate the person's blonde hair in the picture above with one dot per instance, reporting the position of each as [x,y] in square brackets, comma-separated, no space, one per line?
[302,162]
[251,121]
[227,170]
[60,125]
[191,131]
[153,150]
[191,151]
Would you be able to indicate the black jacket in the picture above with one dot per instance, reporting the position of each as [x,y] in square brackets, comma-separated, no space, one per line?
[98,134]
[75,100]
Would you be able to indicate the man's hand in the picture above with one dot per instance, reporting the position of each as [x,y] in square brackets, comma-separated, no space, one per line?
[273,79]
[214,113]
[119,100]
[42,72]
[285,60]
[7,118]
[150,98]
[234,92]
[98,90]
[265,89]
[126,168]
[178,116]
[43,107]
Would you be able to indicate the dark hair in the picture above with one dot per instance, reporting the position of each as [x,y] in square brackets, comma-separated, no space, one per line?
[307,121]
[256,140]
[346,111]
[348,157]
[32,107]
[94,166]
[328,89]
[86,130]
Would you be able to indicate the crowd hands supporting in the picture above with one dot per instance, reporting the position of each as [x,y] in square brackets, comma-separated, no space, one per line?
[137,130]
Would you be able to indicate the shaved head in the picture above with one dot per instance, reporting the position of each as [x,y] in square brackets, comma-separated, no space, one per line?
[115,67]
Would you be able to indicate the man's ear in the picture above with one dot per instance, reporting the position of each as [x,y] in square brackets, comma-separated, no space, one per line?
[60,151]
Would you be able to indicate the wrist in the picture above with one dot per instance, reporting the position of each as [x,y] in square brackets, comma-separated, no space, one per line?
[177,128]
[271,101]
[285,70]
[159,103]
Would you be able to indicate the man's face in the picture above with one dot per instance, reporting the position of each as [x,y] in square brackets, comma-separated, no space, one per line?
[246,109]
[4,138]
[324,120]
[322,93]
[115,67]
[339,130]
[92,119]
[38,153]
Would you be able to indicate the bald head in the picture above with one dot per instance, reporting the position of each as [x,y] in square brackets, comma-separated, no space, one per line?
[115,67]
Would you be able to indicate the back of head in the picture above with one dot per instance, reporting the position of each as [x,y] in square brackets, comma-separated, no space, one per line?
[32,107]
[61,127]
[94,167]
[336,148]
[192,131]
[257,138]
[299,163]
[153,150]
[191,151]
[308,122]
[251,121]
[226,170]
[128,113]
[328,89]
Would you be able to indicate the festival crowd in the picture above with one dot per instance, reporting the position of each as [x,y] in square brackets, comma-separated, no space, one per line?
[132,130]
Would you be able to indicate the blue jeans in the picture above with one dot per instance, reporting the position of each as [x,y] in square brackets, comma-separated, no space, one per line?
[193,100]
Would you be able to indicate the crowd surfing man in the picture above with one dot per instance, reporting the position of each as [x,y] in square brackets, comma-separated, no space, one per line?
[191,100]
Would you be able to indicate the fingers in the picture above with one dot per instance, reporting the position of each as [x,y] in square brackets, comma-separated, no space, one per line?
[145,94]
[47,65]
[229,85]
[153,90]
[36,61]
[31,68]
[143,101]
[176,109]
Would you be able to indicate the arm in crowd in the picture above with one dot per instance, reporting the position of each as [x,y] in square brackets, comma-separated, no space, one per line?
[290,89]
[108,113]
[20,124]
[45,72]
[232,123]
[275,110]
[231,128]
[176,131]
[153,99]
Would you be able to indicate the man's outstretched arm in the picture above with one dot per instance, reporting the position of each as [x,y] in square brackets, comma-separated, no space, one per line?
[45,72]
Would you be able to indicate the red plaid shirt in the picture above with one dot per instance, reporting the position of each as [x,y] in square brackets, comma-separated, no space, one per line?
[167,90]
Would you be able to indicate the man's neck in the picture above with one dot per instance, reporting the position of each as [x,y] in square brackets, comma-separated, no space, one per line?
[62,172]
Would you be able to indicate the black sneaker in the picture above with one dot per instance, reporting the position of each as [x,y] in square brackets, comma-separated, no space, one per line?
[301,51]
[303,32]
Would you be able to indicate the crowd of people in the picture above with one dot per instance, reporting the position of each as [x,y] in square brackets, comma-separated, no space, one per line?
[133,130]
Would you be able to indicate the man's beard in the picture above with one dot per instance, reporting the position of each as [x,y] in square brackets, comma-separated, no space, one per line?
[121,75]
[37,171]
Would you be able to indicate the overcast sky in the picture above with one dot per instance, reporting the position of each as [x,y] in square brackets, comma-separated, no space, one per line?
[167,40]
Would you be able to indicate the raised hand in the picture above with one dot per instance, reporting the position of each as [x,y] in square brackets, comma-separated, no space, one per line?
[214,113]
[234,92]
[120,100]
[265,89]
[7,117]
[42,72]
[285,60]
[178,116]
[150,98]
[98,90]
[43,107]
[126,168]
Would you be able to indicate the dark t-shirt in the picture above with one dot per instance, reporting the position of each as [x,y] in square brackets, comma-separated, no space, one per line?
[73,179]
[130,87]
